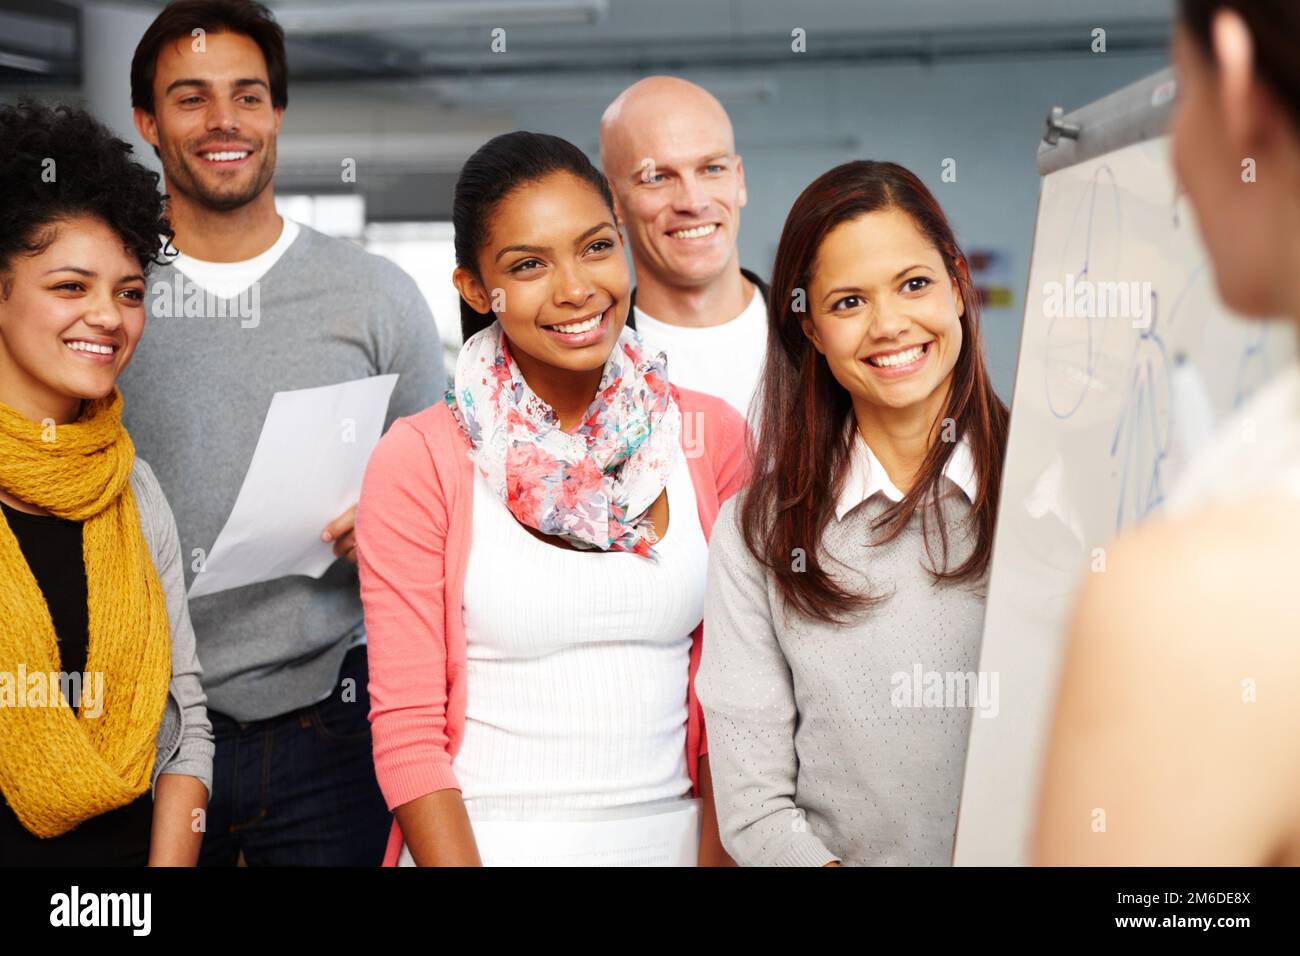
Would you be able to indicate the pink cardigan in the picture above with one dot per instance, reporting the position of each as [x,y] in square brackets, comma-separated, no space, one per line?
[413,540]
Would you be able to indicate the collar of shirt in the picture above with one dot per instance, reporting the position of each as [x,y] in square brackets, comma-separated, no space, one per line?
[867,475]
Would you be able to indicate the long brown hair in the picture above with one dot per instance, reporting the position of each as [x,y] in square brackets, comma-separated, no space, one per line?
[804,439]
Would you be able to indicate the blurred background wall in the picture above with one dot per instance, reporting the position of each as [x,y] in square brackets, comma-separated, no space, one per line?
[407,89]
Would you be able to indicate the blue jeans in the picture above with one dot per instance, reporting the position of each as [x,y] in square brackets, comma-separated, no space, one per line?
[299,789]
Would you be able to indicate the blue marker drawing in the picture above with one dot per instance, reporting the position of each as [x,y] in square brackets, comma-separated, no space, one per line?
[1142,434]
[1067,406]
[1252,368]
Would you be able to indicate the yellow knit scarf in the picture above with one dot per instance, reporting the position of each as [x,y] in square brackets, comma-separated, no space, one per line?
[58,768]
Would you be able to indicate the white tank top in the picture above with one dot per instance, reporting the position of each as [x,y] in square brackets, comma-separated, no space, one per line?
[577,665]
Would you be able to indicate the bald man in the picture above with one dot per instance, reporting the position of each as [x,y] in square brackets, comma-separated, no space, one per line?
[669,153]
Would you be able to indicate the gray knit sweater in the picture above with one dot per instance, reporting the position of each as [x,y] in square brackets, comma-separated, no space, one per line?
[849,742]
[184,741]
[195,397]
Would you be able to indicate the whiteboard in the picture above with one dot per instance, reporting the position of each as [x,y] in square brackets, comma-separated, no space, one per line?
[1106,412]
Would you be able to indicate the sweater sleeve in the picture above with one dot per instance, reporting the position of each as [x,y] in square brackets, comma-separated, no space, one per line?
[747,692]
[731,474]
[193,756]
[401,530]
[409,344]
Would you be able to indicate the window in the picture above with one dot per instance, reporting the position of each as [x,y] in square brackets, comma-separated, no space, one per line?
[338,215]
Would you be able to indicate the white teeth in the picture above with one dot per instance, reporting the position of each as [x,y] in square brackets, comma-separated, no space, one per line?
[899,358]
[697,233]
[91,347]
[224,157]
[577,327]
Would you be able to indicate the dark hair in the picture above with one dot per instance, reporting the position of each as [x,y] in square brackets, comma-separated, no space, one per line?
[181,18]
[59,162]
[498,168]
[804,439]
[1275,32]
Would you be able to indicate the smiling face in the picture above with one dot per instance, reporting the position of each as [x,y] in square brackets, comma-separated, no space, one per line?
[213,122]
[886,314]
[70,318]
[682,209]
[553,270]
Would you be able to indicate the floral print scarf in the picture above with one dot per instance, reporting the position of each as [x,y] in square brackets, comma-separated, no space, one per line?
[593,486]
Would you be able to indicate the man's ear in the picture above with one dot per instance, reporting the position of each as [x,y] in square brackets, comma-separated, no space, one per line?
[146,124]
[1240,93]
[471,290]
[740,174]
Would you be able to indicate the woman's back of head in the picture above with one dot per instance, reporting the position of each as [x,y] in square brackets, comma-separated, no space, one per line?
[1236,144]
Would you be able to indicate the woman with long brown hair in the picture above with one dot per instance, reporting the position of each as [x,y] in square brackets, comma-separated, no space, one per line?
[846,586]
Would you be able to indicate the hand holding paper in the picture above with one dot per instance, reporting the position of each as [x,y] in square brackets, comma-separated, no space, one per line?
[341,532]
[305,474]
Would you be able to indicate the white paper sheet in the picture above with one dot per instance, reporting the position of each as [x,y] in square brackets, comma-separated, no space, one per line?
[306,471]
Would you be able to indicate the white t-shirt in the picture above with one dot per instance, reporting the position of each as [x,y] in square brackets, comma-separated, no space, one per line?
[229,279]
[724,360]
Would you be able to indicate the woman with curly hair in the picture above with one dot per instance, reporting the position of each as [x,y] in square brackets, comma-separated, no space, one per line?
[105,744]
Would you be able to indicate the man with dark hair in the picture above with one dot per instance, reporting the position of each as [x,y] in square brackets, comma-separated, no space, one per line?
[284,660]
[187,19]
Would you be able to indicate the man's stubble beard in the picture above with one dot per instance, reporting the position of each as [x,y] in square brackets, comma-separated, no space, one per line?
[181,179]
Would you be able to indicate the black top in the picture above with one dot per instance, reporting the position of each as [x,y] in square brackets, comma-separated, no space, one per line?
[758,283]
[53,549]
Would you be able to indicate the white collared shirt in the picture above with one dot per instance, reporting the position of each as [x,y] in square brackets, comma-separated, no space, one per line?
[867,476]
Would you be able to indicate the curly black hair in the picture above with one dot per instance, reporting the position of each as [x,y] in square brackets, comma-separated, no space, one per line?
[57,162]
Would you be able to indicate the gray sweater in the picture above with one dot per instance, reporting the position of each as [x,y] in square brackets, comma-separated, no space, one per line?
[816,746]
[185,735]
[195,397]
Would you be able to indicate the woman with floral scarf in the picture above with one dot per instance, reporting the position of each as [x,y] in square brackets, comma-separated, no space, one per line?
[533,552]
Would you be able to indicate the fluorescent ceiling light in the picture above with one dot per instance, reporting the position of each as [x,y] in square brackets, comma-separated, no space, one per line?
[393,16]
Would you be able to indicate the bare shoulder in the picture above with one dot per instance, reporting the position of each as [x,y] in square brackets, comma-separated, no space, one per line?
[1175,703]
[1221,579]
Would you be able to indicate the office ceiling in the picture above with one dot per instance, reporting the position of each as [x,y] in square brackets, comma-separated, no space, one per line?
[416,40]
